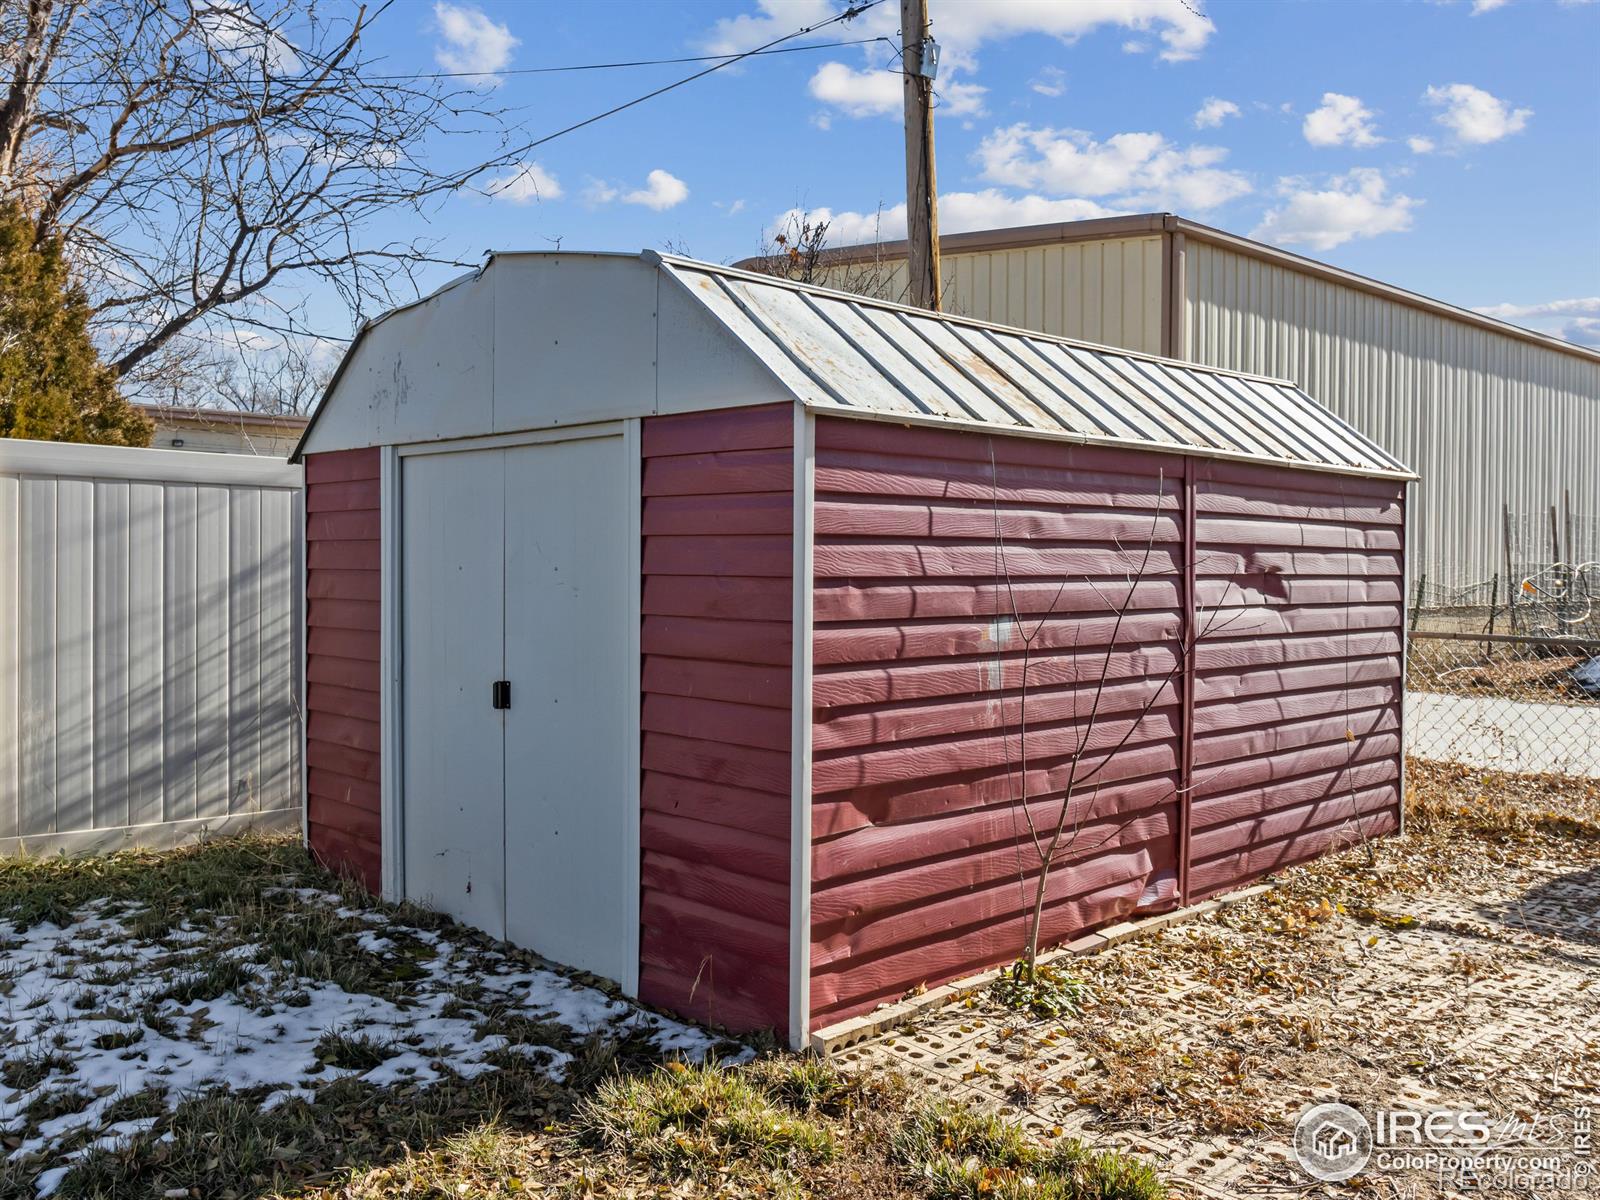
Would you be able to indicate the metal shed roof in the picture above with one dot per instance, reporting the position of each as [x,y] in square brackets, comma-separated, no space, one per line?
[848,354]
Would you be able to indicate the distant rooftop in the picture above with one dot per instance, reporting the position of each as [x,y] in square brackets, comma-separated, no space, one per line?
[1145,224]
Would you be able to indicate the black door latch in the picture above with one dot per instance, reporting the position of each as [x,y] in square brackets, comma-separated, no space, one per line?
[502,693]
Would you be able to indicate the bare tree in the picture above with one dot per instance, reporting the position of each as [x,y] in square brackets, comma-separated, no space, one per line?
[1056,839]
[209,163]
[256,372]
[798,251]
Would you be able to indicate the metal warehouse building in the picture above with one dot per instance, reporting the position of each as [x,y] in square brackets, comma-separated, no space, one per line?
[1490,416]
[725,636]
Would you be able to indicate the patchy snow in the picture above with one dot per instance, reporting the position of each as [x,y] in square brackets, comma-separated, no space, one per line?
[86,1017]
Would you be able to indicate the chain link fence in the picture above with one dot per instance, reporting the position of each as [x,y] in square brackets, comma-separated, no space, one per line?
[1512,702]
[1505,672]
[1548,584]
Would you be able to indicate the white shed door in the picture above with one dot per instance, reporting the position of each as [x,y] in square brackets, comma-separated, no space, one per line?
[571,781]
[453,830]
[519,564]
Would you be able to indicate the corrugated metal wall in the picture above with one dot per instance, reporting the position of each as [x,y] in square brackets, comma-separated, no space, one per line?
[1486,419]
[1103,291]
[343,662]
[718,609]
[150,655]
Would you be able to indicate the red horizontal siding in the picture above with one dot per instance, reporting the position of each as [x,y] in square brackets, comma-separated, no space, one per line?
[342,698]
[921,851]
[718,609]
[1297,687]
[1288,605]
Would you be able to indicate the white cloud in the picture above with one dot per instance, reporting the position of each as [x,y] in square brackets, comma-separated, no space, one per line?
[524,184]
[774,18]
[1340,121]
[734,209]
[1473,115]
[1420,145]
[1354,205]
[471,42]
[1180,27]
[1588,306]
[955,99]
[1482,6]
[1576,320]
[879,92]
[1139,169]
[1214,112]
[869,93]
[1052,81]
[962,28]
[662,190]
[959,212]
[1585,331]
[245,39]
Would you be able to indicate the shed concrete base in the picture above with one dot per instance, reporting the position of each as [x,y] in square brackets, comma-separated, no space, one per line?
[891,1016]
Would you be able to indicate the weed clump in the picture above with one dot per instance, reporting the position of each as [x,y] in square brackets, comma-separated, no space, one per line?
[1049,994]
[688,1122]
[957,1154]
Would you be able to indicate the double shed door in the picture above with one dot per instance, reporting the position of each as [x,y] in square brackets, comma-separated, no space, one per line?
[520,564]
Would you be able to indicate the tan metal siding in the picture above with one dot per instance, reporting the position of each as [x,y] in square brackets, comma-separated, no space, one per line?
[225,441]
[1483,417]
[1106,291]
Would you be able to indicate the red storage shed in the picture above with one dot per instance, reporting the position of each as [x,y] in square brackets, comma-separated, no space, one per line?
[748,643]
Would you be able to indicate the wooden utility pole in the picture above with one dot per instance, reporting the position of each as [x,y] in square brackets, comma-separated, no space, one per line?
[919,60]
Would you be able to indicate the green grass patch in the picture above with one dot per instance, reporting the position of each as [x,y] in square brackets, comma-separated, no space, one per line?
[221,976]
[353,1051]
[957,1154]
[23,1071]
[167,885]
[1049,994]
[118,1039]
[57,1103]
[687,1122]
[136,1106]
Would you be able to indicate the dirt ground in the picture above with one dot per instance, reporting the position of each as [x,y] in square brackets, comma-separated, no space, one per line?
[1457,967]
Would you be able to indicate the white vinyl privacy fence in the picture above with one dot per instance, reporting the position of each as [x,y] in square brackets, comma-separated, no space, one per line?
[150,653]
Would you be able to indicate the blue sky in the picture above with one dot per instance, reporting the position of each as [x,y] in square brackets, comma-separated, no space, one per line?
[1449,147]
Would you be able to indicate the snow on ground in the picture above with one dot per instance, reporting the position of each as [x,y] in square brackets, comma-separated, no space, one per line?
[92,1013]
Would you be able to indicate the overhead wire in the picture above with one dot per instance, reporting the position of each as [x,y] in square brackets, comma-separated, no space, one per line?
[570,68]
[848,14]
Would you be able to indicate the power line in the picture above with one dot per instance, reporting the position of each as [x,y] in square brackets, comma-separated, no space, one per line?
[848,14]
[720,59]
[643,62]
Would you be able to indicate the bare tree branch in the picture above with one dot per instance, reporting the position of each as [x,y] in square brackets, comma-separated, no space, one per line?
[201,158]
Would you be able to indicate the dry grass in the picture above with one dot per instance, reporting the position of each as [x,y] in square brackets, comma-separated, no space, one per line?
[1467,668]
[615,1119]
[778,1127]
[1398,969]
[1467,831]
